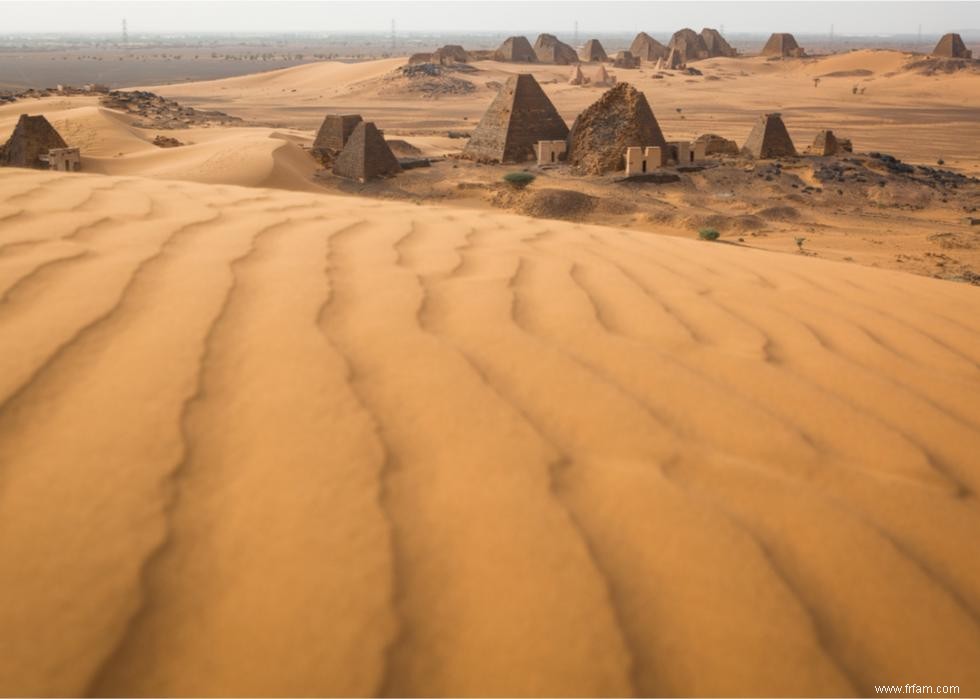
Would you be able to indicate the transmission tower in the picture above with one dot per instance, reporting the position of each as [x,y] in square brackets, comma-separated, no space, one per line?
[392,35]
[575,37]
[125,33]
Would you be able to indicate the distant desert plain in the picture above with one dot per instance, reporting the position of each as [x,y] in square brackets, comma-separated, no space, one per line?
[266,431]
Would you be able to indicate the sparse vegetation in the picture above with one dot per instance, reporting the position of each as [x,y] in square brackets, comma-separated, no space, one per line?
[799,240]
[708,234]
[518,180]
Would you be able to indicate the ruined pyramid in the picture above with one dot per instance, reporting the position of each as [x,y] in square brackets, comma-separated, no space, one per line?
[515,49]
[366,155]
[32,137]
[549,49]
[576,77]
[674,61]
[646,48]
[825,144]
[601,134]
[689,44]
[769,139]
[519,116]
[716,44]
[593,51]
[333,135]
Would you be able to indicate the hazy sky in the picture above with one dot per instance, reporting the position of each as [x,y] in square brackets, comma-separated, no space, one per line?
[557,16]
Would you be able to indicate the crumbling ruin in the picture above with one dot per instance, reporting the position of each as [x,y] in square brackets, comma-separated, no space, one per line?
[602,78]
[63,159]
[716,44]
[825,144]
[366,155]
[689,44]
[951,46]
[646,48]
[674,61]
[549,49]
[769,139]
[593,51]
[625,59]
[33,138]
[601,134]
[519,116]
[717,145]
[516,49]
[783,45]
[576,78]
[334,132]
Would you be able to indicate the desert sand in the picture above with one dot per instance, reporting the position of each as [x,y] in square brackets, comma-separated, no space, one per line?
[259,436]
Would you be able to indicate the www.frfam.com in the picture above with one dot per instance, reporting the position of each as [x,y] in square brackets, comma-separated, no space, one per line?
[917,689]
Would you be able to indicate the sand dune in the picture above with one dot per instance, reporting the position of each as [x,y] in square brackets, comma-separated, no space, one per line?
[261,442]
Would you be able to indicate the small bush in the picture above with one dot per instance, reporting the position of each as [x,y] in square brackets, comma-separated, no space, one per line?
[518,180]
[708,234]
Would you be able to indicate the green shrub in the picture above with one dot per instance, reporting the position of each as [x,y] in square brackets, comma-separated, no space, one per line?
[518,180]
[708,234]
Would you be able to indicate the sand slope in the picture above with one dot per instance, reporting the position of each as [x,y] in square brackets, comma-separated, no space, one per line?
[259,442]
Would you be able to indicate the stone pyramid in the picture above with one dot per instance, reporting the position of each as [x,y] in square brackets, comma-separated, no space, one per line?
[32,137]
[782,44]
[825,144]
[769,139]
[593,51]
[602,78]
[951,46]
[515,49]
[519,116]
[333,135]
[689,44]
[646,48]
[716,44]
[674,61]
[576,77]
[549,49]
[601,134]
[366,155]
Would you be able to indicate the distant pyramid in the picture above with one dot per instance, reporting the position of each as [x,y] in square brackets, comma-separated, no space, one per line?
[625,59]
[825,144]
[366,155]
[674,61]
[333,135]
[602,78]
[783,45]
[516,49]
[689,44]
[646,48]
[549,49]
[601,134]
[593,51]
[576,77]
[32,137]
[769,139]
[951,46]
[519,116]
[716,44]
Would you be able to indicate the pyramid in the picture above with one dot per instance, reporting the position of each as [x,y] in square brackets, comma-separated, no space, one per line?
[602,78]
[672,62]
[32,137]
[689,45]
[769,139]
[782,45]
[951,46]
[519,116]
[450,53]
[593,51]
[549,49]
[625,59]
[366,155]
[333,135]
[825,144]
[716,44]
[646,48]
[601,134]
[576,77]
[515,49]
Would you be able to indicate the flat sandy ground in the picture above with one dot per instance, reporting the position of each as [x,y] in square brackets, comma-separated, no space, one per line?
[266,440]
